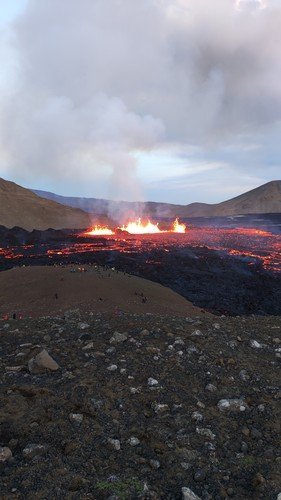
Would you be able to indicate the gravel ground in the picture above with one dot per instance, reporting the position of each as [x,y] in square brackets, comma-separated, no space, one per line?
[139,406]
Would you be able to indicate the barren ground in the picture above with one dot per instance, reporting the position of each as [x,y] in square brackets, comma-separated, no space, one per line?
[37,291]
[130,436]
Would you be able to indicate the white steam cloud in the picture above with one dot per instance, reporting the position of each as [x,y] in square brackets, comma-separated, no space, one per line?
[99,80]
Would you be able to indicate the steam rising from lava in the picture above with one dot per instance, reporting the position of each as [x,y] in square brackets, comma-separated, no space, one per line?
[85,95]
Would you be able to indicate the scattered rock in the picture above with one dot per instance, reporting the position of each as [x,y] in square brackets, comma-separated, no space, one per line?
[115,443]
[187,494]
[185,465]
[133,441]
[83,326]
[244,447]
[152,382]
[33,450]
[110,350]
[144,333]
[154,464]
[112,368]
[135,390]
[201,405]
[178,341]
[200,475]
[232,405]
[160,408]
[206,433]
[244,375]
[255,344]
[15,369]
[198,417]
[88,346]
[157,429]
[118,338]
[76,418]
[211,388]
[197,333]
[5,454]
[43,361]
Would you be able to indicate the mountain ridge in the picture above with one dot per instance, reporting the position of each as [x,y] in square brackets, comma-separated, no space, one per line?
[263,199]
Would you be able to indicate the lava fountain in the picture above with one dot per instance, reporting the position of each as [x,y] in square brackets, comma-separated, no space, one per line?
[137,227]
[99,231]
[178,227]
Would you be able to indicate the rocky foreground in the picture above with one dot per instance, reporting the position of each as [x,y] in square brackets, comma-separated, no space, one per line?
[139,406]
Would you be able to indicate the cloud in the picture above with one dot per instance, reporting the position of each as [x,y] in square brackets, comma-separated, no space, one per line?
[240,4]
[98,81]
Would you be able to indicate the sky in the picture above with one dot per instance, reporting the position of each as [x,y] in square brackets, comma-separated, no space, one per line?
[163,100]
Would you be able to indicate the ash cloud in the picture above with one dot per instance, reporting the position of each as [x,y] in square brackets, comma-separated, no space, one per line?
[99,80]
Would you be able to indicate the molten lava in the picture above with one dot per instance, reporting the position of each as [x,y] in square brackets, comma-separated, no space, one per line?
[137,227]
[99,231]
[250,244]
[178,227]
[140,227]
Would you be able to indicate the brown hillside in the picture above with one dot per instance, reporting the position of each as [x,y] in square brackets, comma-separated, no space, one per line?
[21,207]
[39,291]
[263,199]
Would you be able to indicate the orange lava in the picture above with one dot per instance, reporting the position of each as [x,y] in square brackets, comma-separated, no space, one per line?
[99,231]
[178,227]
[252,243]
[137,227]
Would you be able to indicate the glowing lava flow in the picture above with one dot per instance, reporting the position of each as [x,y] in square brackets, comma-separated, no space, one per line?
[99,231]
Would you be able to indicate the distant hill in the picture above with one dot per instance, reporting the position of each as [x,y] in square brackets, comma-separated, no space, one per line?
[263,199]
[21,207]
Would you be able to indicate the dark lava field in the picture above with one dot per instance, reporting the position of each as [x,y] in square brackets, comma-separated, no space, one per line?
[230,267]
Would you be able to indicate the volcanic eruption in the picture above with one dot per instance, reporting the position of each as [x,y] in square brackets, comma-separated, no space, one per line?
[99,231]
[137,227]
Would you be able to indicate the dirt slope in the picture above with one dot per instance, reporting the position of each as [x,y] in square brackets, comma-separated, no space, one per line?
[21,207]
[32,291]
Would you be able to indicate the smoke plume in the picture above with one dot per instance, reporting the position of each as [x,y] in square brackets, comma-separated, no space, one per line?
[97,81]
